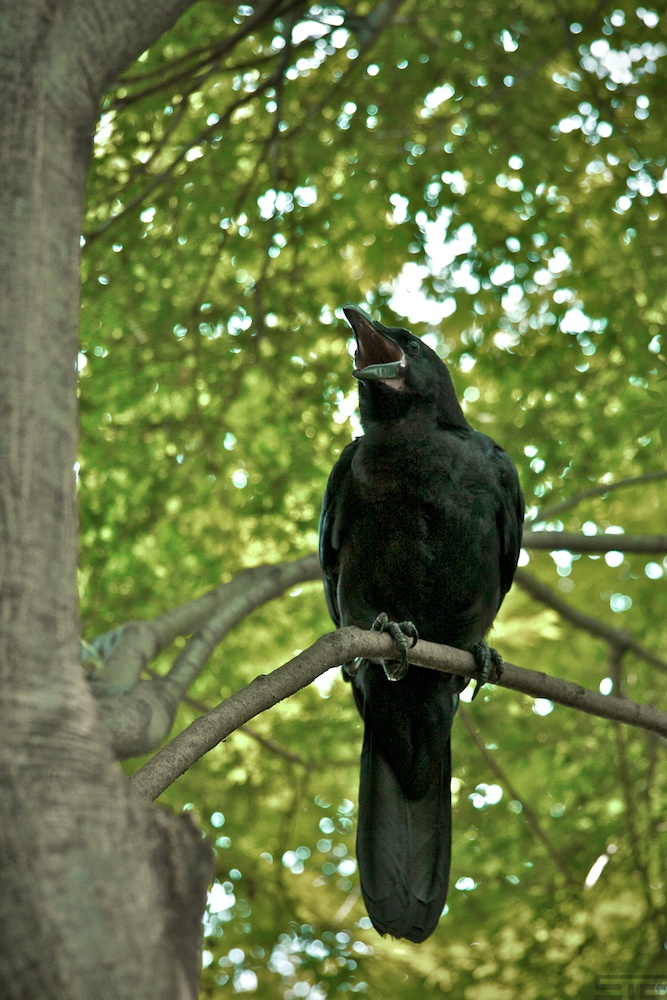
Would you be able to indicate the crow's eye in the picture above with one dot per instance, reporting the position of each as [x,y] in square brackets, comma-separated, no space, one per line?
[413,347]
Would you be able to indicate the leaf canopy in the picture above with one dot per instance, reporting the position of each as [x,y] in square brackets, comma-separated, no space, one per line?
[495,178]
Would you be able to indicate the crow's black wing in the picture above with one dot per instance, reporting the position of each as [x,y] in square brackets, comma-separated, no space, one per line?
[509,518]
[333,525]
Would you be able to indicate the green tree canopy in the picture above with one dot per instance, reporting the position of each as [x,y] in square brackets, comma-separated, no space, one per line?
[494,176]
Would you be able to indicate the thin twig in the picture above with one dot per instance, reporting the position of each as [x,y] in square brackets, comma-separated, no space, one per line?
[616,637]
[159,178]
[527,811]
[595,491]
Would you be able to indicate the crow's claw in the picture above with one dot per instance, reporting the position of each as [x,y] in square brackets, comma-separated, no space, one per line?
[400,633]
[351,668]
[486,659]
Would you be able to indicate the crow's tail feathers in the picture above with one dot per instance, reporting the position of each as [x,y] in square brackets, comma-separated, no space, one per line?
[403,847]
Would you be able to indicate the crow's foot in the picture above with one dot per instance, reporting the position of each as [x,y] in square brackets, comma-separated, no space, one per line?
[489,665]
[400,633]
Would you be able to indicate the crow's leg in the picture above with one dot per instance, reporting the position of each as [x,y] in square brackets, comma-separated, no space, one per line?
[489,665]
[400,633]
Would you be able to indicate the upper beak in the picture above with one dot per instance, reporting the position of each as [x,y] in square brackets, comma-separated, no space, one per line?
[378,356]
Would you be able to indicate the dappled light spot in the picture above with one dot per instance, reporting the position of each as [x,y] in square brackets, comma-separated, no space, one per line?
[486,795]
[619,603]
[465,884]
[245,981]
[614,559]
[220,898]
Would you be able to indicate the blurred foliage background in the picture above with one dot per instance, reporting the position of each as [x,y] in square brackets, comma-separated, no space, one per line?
[494,177]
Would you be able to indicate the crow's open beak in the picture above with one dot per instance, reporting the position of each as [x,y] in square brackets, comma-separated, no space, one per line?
[378,356]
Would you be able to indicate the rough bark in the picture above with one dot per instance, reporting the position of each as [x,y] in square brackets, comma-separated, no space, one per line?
[100,896]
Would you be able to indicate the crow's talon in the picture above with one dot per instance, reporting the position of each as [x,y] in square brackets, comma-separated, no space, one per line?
[350,669]
[489,665]
[410,629]
[396,670]
[380,623]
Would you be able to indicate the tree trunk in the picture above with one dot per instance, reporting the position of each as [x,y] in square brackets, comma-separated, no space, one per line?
[99,895]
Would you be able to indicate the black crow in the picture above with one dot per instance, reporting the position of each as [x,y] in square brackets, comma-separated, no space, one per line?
[420,534]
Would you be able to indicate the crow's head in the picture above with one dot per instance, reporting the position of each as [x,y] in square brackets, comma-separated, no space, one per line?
[398,372]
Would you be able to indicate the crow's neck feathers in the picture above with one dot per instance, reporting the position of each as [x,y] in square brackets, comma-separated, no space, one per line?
[387,403]
[401,379]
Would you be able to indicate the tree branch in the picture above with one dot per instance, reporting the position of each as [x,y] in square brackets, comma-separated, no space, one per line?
[101,41]
[527,811]
[138,714]
[127,651]
[616,637]
[340,647]
[263,741]
[595,491]
[115,36]
[556,540]
[369,27]
[367,30]
[183,149]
